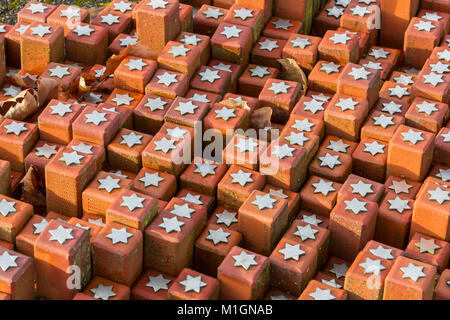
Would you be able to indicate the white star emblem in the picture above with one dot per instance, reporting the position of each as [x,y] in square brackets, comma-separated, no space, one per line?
[360,73]
[22,28]
[444,55]
[119,235]
[382,253]
[127,41]
[167,79]
[335,12]
[392,107]
[218,236]
[59,72]
[15,127]
[164,145]
[322,294]
[176,133]
[302,125]
[398,91]
[300,42]
[46,151]
[338,38]
[444,174]
[268,45]
[61,234]
[259,71]
[209,75]
[431,16]
[433,78]
[96,117]
[71,158]
[205,168]
[241,177]
[291,252]
[11,91]
[193,283]
[195,199]
[306,232]
[347,104]
[83,30]
[213,13]
[374,148]
[294,138]
[323,187]
[338,146]
[110,19]
[330,67]
[439,195]
[131,139]
[39,227]
[440,67]
[171,224]
[186,108]
[7,261]
[424,26]
[331,283]
[122,99]
[413,272]
[372,266]
[158,283]
[200,98]
[244,260]
[243,13]
[383,121]
[158,4]
[226,217]
[329,161]
[135,64]
[231,32]
[282,24]
[373,65]
[108,184]
[37,8]
[314,106]
[399,204]
[412,136]
[379,53]
[83,148]
[427,246]
[7,207]
[359,11]
[183,211]
[312,220]
[103,292]
[155,104]
[192,40]
[122,6]
[264,202]
[355,206]
[339,270]
[132,202]
[222,66]
[283,151]
[404,80]
[179,51]
[426,107]
[361,188]
[151,179]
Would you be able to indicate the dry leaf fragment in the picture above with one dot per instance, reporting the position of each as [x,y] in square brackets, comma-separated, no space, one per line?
[33,189]
[293,72]
[235,104]
[260,118]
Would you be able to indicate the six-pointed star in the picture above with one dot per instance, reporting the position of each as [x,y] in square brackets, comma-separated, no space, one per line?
[282,24]
[231,32]
[312,220]
[294,138]
[59,72]
[122,6]
[218,236]
[268,45]
[412,136]
[167,79]
[302,125]
[360,73]
[132,202]
[16,127]
[338,38]
[306,232]
[374,148]
[71,158]
[323,187]
[110,19]
[330,67]
[7,261]
[379,53]
[338,146]
[314,106]
[322,294]
[264,202]
[37,8]
[209,75]
[300,42]
[391,107]
[151,179]
[109,184]
[361,188]
[103,292]
[241,177]
[205,168]
[291,252]
[355,206]
[427,246]
[131,139]
[7,207]
[259,71]
[399,204]
[244,260]
[164,145]
[213,13]
[439,195]
[404,80]
[119,235]
[243,13]
[383,121]
[83,30]
[335,12]
[412,272]
[135,64]
[158,283]
[347,104]
[398,91]
[433,78]
[329,161]
[61,234]
[372,266]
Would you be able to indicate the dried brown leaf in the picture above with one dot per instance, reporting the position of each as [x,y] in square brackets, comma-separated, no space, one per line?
[94,11]
[235,104]
[141,51]
[293,72]
[20,107]
[260,118]
[33,189]
[46,90]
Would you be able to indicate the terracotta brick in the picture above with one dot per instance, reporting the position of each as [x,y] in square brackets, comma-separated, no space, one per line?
[156,184]
[247,280]
[331,165]
[428,250]
[16,278]
[68,17]
[409,280]
[267,51]
[442,148]
[339,47]
[381,126]
[394,220]
[403,187]
[442,290]
[370,158]
[58,248]
[40,156]
[41,44]
[410,153]
[206,23]
[118,291]
[35,12]
[5,177]
[168,84]
[316,290]
[147,287]
[303,49]
[232,45]
[281,28]
[115,23]
[324,76]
